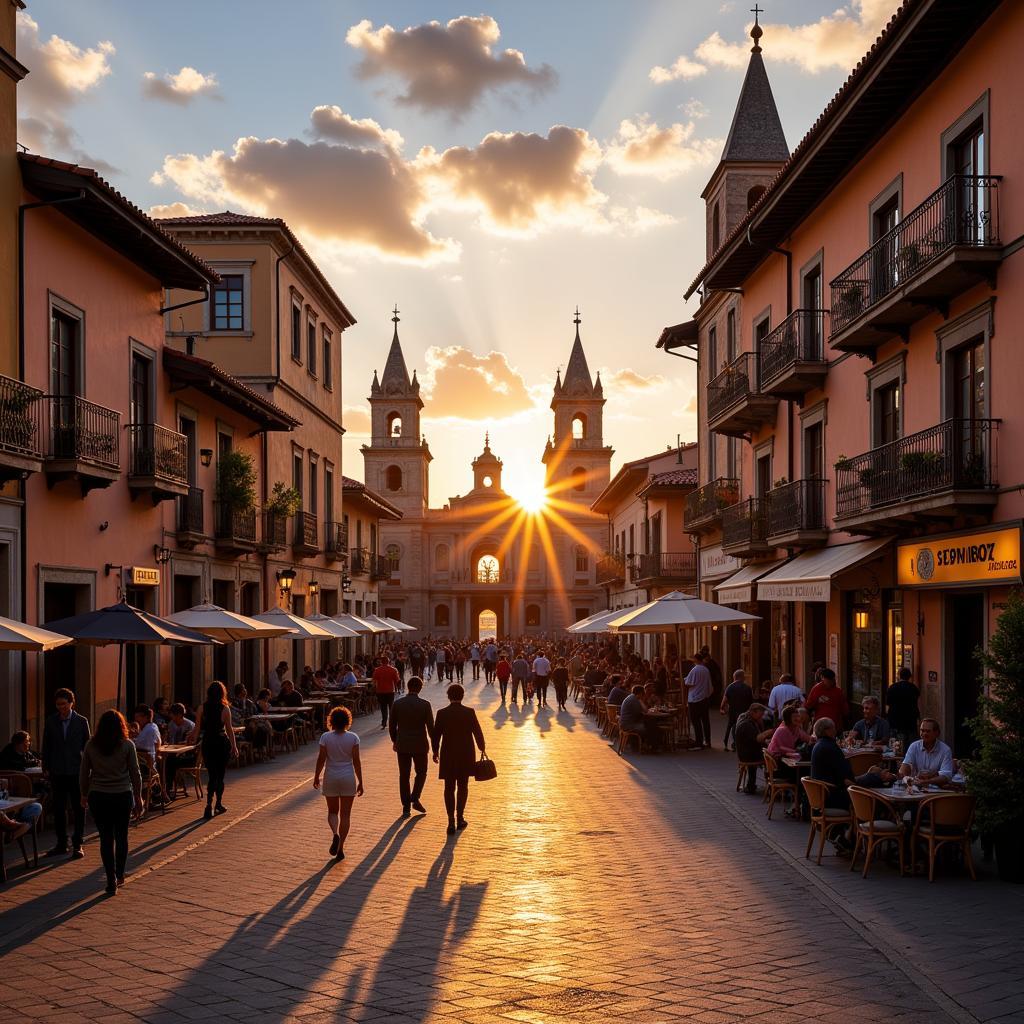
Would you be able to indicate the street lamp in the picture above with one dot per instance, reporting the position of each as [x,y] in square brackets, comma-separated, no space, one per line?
[285,579]
[314,592]
[206,456]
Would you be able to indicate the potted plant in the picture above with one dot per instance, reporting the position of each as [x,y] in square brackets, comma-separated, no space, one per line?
[16,424]
[236,481]
[995,775]
[851,301]
[910,258]
[284,502]
[842,463]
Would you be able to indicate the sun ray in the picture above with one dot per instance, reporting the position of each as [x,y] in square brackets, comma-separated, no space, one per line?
[572,530]
[549,550]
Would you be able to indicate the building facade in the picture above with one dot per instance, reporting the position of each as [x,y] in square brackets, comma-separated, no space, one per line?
[481,564]
[868,506]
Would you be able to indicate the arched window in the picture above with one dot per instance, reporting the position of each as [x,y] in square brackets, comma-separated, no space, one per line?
[579,479]
[716,231]
[579,427]
[393,553]
[754,194]
[488,570]
[488,481]
[393,478]
[441,615]
[394,424]
[441,558]
[582,559]
[533,615]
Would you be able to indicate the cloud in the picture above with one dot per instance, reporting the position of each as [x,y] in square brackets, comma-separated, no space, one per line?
[694,109]
[691,405]
[334,125]
[445,67]
[836,40]
[356,420]
[683,68]
[641,147]
[61,74]
[461,384]
[173,210]
[181,88]
[358,197]
[630,380]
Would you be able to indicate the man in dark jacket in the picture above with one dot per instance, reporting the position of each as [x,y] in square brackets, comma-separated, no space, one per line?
[456,729]
[751,736]
[412,731]
[64,738]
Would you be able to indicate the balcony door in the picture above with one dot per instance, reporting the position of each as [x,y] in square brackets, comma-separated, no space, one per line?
[141,389]
[764,475]
[65,371]
[812,327]
[968,368]
[884,274]
[967,161]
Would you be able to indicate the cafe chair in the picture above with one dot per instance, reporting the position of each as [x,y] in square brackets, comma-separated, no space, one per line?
[150,783]
[942,819]
[189,773]
[741,775]
[624,737]
[823,819]
[776,789]
[863,760]
[612,724]
[16,836]
[19,784]
[286,739]
[875,821]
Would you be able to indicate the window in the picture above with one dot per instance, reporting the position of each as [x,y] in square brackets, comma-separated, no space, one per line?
[968,369]
[297,471]
[533,615]
[142,379]
[814,451]
[754,194]
[764,475]
[811,299]
[579,479]
[582,559]
[761,329]
[441,558]
[224,443]
[393,553]
[730,336]
[716,230]
[311,347]
[328,370]
[296,332]
[579,427]
[328,493]
[887,414]
[65,339]
[314,488]
[394,424]
[655,528]
[373,538]
[631,550]
[393,478]
[712,352]
[488,569]
[229,303]
[441,615]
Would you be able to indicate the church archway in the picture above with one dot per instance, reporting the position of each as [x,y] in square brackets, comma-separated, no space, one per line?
[394,424]
[579,427]
[488,569]
[487,624]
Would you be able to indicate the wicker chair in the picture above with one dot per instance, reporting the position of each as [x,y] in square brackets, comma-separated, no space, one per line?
[189,773]
[875,821]
[823,818]
[150,781]
[611,728]
[863,760]
[776,789]
[942,819]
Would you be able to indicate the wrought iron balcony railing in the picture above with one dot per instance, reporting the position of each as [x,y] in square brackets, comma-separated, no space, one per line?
[157,452]
[611,569]
[678,566]
[359,561]
[737,380]
[745,524]
[799,339]
[797,507]
[307,532]
[20,419]
[81,431]
[232,526]
[190,511]
[380,567]
[337,540]
[274,531]
[705,505]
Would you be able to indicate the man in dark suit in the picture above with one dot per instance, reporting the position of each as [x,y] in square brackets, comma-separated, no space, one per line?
[65,735]
[412,732]
[457,734]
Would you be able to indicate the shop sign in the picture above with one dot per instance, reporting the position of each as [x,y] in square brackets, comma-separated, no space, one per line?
[141,576]
[795,590]
[714,563]
[981,556]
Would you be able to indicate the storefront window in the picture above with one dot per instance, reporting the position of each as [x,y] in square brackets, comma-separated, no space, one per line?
[866,666]
[897,652]
[781,644]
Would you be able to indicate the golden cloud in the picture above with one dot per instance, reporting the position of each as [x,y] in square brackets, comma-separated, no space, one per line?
[461,384]
[356,420]
[333,124]
[682,68]
[444,67]
[641,147]
[180,88]
[630,380]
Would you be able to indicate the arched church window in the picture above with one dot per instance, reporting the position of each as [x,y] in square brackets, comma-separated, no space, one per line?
[579,479]
[441,615]
[488,481]
[533,615]
[579,427]
[488,570]
[393,553]
[441,558]
[582,559]
[393,478]
[754,194]
[394,424]
[716,230]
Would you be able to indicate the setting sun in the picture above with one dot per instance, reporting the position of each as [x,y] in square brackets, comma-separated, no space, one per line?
[532,497]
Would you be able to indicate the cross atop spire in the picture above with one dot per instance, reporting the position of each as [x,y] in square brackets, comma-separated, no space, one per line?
[756,32]
[396,317]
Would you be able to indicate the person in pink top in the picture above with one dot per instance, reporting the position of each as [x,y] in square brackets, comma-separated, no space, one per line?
[788,736]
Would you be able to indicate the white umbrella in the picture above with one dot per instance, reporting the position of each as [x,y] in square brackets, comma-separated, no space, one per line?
[598,623]
[677,610]
[334,628]
[227,626]
[376,620]
[301,629]
[359,624]
[19,636]
[402,627]
[582,622]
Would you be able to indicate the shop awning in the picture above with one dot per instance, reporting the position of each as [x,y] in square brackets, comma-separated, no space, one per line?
[808,577]
[739,587]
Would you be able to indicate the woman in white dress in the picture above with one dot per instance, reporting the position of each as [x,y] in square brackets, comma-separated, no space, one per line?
[338,762]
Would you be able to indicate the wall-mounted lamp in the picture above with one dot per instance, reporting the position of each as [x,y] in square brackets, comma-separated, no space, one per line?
[313,589]
[206,456]
[860,618]
[285,579]
[346,584]
[161,555]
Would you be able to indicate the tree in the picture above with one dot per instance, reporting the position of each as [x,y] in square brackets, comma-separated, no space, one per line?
[236,480]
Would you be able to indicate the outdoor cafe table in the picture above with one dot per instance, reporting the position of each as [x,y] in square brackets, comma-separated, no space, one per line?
[166,750]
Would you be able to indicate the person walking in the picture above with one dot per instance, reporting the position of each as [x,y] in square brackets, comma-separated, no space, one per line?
[431,661]
[456,729]
[474,658]
[737,698]
[110,786]
[520,677]
[213,723]
[503,671]
[698,698]
[560,679]
[541,678]
[65,735]
[338,762]
[412,728]
[385,682]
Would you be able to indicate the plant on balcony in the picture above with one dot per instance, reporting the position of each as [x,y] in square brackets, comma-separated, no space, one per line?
[867,475]
[920,462]
[781,482]
[284,501]
[170,462]
[850,304]
[16,424]
[910,258]
[843,463]
[236,481]
[997,770]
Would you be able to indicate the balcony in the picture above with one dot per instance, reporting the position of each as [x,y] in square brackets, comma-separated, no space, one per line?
[234,530]
[796,514]
[273,533]
[336,547]
[306,541]
[189,518]
[21,447]
[82,442]
[484,575]
[677,569]
[745,529]
[380,567]
[792,357]
[611,569]
[937,474]
[704,506]
[947,244]
[158,462]
[735,406]
[359,562]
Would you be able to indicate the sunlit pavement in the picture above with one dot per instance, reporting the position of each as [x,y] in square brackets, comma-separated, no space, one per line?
[587,887]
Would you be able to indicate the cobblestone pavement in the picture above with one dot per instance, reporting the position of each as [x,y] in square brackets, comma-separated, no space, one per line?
[587,887]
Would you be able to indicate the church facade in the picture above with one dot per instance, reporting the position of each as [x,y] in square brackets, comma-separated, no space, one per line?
[482,564]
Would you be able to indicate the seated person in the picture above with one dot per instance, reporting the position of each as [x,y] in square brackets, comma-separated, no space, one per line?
[20,822]
[147,739]
[872,730]
[266,708]
[928,759]
[348,677]
[289,697]
[618,693]
[18,755]
[243,707]
[161,715]
[751,736]
[181,727]
[631,718]
[829,764]
[788,737]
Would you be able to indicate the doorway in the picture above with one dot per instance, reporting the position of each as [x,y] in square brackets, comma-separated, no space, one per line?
[250,649]
[138,658]
[815,639]
[968,612]
[186,660]
[70,665]
[487,624]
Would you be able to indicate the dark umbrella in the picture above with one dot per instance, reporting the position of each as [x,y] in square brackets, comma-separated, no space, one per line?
[122,624]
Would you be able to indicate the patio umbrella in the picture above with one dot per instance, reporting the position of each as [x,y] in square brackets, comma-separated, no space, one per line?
[359,624]
[385,624]
[228,627]
[122,624]
[299,628]
[402,627]
[596,623]
[677,610]
[582,622]
[19,636]
[334,628]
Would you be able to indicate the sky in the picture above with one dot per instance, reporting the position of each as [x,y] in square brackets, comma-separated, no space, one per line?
[487,168]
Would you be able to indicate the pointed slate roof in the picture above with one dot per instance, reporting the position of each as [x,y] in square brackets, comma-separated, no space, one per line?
[395,378]
[577,373]
[756,135]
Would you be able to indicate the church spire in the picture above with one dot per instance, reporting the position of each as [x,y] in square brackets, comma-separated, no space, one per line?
[577,379]
[396,375]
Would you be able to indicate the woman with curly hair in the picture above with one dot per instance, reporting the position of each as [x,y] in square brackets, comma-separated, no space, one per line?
[343,777]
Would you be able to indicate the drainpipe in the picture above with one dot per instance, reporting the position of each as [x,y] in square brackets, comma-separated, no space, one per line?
[23,545]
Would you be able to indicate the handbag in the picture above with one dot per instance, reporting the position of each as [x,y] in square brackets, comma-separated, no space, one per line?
[485,769]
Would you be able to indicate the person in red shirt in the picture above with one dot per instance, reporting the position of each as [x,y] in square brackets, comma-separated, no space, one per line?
[385,682]
[827,700]
[503,670]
